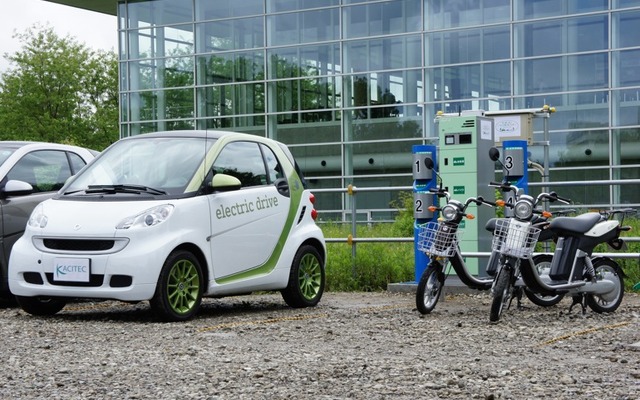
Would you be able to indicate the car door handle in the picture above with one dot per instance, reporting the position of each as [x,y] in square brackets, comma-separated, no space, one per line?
[282,186]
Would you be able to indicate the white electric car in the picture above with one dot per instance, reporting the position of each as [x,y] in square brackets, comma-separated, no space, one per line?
[171,217]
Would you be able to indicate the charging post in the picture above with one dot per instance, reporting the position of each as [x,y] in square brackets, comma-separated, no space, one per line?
[514,162]
[423,179]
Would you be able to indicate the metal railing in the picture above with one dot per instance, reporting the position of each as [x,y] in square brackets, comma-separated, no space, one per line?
[353,240]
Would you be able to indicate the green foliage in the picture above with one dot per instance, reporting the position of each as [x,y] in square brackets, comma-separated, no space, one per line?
[403,225]
[375,265]
[58,90]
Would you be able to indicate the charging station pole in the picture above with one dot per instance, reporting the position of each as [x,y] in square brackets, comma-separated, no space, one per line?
[466,170]
[423,180]
[514,160]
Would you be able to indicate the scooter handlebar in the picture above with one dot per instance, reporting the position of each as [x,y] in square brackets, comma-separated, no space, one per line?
[504,186]
[554,196]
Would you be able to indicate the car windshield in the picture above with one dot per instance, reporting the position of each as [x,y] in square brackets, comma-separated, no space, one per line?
[5,152]
[154,165]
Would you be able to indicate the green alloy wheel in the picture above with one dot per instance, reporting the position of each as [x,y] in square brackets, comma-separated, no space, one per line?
[179,291]
[306,279]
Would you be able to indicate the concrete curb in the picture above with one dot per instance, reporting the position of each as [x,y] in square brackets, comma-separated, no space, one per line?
[452,285]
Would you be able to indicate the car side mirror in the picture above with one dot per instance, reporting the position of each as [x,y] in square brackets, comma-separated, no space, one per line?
[224,182]
[16,188]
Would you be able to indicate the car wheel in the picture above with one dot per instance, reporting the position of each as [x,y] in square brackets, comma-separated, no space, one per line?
[179,290]
[41,306]
[306,279]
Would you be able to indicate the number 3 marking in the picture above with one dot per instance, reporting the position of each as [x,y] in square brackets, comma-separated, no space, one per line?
[508,162]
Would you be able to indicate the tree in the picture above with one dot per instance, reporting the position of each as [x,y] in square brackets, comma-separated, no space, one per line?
[58,90]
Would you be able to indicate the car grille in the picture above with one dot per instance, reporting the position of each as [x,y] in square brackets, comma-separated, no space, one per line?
[94,281]
[79,244]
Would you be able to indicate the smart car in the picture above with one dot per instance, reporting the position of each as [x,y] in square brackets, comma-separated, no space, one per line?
[172,217]
[30,172]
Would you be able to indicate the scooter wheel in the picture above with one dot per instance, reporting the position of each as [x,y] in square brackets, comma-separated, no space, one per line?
[429,289]
[501,293]
[608,302]
[542,263]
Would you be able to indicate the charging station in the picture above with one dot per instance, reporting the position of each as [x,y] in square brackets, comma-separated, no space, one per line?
[423,179]
[466,170]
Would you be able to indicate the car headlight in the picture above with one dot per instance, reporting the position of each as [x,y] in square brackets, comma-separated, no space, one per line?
[449,212]
[150,217]
[38,219]
[523,209]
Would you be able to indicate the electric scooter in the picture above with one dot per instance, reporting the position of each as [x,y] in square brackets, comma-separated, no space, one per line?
[440,241]
[596,282]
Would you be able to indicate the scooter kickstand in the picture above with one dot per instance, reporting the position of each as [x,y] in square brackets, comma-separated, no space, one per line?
[519,297]
[581,300]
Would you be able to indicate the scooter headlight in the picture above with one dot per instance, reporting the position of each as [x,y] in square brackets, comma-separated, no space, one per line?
[449,212]
[523,209]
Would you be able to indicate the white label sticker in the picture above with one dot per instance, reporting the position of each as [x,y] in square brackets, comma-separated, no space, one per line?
[71,269]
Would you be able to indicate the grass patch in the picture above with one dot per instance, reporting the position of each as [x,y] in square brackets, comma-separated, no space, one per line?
[375,265]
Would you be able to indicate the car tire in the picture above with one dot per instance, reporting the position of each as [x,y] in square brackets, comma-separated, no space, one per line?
[306,279]
[41,306]
[179,290]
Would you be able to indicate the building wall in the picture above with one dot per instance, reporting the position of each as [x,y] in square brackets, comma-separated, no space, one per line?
[352,85]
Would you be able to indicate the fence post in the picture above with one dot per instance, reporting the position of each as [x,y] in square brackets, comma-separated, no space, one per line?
[351,191]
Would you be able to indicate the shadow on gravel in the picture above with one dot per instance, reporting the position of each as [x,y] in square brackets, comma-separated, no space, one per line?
[115,311]
[8,302]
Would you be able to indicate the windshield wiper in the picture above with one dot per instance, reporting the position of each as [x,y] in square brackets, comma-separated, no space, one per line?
[113,189]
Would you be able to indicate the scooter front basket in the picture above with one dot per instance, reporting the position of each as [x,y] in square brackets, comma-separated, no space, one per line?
[436,239]
[515,238]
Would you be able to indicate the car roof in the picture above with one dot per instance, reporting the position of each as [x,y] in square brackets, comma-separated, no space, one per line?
[211,134]
[14,144]
[17,144]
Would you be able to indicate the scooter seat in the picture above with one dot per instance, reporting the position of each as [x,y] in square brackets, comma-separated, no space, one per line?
[574,225]
[491,225]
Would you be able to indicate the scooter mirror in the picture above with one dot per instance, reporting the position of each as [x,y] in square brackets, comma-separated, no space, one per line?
[428,163]
[494,154]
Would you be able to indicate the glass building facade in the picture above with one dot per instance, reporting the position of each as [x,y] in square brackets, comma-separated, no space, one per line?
[352,85]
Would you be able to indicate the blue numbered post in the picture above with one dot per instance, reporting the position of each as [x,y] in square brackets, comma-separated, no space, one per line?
[515,164]
[423,180]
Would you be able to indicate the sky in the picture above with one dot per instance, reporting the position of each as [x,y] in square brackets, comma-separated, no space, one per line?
[97,31]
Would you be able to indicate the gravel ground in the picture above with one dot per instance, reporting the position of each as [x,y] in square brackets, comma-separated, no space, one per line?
[352,345]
